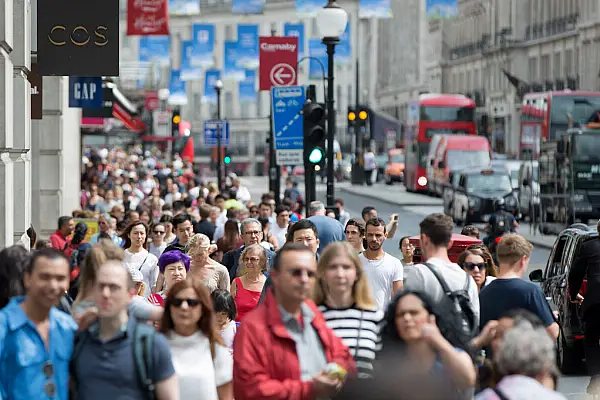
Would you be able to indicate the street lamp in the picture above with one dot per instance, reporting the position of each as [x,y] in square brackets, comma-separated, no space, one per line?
[219,88]
[331,22]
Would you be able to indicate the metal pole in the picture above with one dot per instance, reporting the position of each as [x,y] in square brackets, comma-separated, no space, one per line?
[274,169]
[330,42]
[219,161]
[357,169]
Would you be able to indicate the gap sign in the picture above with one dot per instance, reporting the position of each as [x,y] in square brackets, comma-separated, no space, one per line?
[85,92]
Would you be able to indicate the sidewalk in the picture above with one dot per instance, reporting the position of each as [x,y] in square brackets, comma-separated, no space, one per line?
[424,205]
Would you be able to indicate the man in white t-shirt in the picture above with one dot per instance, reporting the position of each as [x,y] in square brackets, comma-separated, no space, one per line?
[436,235]
[384,271]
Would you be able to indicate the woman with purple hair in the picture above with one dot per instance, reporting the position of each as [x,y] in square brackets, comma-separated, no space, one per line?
[174,266]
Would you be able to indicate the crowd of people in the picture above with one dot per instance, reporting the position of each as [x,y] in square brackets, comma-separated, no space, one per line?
[189,290]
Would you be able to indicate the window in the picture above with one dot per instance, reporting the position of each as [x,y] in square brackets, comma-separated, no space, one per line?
[545,66]
[228,112]
[554,266]
[557,65]
[568,62]
[338,98]
[533,69]
[464,114]
[229,32]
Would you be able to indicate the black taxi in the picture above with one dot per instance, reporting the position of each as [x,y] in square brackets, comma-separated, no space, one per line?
[475,192]
[554,283]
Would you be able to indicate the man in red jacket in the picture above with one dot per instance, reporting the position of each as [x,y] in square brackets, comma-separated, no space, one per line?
[282,347]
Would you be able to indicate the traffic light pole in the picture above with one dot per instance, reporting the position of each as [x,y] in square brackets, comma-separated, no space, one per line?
[274,169]
[330,43]
[219,161]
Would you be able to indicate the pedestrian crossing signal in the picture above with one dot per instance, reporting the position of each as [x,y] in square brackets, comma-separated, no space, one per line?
[227,160]
[316,155]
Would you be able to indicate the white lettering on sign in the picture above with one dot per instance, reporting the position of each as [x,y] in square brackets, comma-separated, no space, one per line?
[290,157]
[278,47]
[85,91]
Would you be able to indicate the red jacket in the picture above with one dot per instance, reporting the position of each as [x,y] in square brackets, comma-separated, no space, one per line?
[265,364]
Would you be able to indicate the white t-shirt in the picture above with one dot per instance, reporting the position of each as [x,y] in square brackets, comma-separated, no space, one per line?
[279,233]
[419,277]
[382,274]
[369,161]
[198,374]
[147,264]
[229,333]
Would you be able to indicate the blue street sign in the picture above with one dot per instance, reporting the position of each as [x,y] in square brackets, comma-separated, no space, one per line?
[288,124]
[210,133]
[85,92]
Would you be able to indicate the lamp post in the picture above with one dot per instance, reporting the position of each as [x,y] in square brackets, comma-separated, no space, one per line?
[219,88]
[331,22]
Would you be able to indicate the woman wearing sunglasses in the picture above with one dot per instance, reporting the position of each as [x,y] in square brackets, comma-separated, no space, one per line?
[203,364]
[479,265]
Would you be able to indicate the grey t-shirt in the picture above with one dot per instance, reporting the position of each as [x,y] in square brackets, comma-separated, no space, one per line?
[419,277]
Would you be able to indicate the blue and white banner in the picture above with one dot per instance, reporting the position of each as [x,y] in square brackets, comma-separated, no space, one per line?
[231,71]
[318,64]
[343,51]
[248,6]
[210,78]
[375,9]
[204,41]
[247,87]
[155,49]
[184,7]
[441,9]
[309,8]
[177,92]
[187,70]
[247,46]
[296,30]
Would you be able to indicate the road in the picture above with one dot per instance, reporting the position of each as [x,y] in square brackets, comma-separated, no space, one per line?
[573,387]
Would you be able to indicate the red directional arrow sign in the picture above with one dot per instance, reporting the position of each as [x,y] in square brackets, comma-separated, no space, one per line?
[278,61]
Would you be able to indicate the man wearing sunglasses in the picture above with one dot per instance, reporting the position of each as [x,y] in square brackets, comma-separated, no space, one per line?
[284,371]
[36,339]
[104,365]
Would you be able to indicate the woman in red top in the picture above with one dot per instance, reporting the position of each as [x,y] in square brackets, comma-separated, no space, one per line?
[174,266]
[246,289]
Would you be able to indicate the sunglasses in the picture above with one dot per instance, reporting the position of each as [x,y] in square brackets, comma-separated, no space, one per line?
[49,386]
[190,302]
[297,273]
[471,266]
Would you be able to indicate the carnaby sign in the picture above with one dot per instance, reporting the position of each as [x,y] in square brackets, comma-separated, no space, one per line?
[278,61]
[78,38]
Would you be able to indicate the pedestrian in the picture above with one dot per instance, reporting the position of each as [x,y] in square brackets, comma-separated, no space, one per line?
[343,295]
[384,271]
[158,245]
[370,167]
[509,291]
[36,340]
[407,249]
[280,228]
[60,238]
[526,360]
[115,333]
[203,363]
[471,231]
[247,287]
[370,212]
[202,267]
[13,263]
[184,230]
[137,257]
[174,267]
[355,234]
[330,229]
[344,215]
[225,315]
[283,347]
[479,265]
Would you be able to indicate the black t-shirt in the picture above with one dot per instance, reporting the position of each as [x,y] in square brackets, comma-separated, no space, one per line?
[502,295]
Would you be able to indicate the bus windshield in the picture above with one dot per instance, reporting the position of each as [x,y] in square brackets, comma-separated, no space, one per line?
[580,108]
[447,114]
[458,159]
[586,147]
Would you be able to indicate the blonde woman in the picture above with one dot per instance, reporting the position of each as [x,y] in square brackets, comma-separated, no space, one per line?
[246,289]
[202,267]
[343,295]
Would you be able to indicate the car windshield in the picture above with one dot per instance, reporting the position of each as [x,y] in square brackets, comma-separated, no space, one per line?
[587,147]
[481,183]
[397,158]
[458,159]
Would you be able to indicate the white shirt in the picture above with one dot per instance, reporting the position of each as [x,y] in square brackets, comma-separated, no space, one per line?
[147,185]
[243,194]
[199,375]
[229,333]
[369,161]
[382,274]
[147,264]
[279,233]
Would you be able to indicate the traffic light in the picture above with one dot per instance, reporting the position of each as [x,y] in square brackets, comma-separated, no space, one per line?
[175,120]
[352,117]
[227,159]
[362,118]
[314,133]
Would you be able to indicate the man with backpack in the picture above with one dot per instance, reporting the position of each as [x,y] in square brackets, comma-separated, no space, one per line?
[450,287]
[117,357]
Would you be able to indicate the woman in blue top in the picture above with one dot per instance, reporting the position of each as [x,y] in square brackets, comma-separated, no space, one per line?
[416,361]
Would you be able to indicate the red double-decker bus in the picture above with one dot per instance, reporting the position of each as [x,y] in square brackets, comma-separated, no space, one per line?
[433,114]
[545,115]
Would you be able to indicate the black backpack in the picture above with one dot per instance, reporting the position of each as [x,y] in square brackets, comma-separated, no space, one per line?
[143,356]
[457,311]
[501,225]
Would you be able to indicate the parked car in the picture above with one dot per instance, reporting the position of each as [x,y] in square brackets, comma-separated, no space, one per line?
[554,283]
[477,189]
[394,170]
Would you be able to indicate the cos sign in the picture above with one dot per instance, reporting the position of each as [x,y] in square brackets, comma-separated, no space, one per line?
[78,38]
